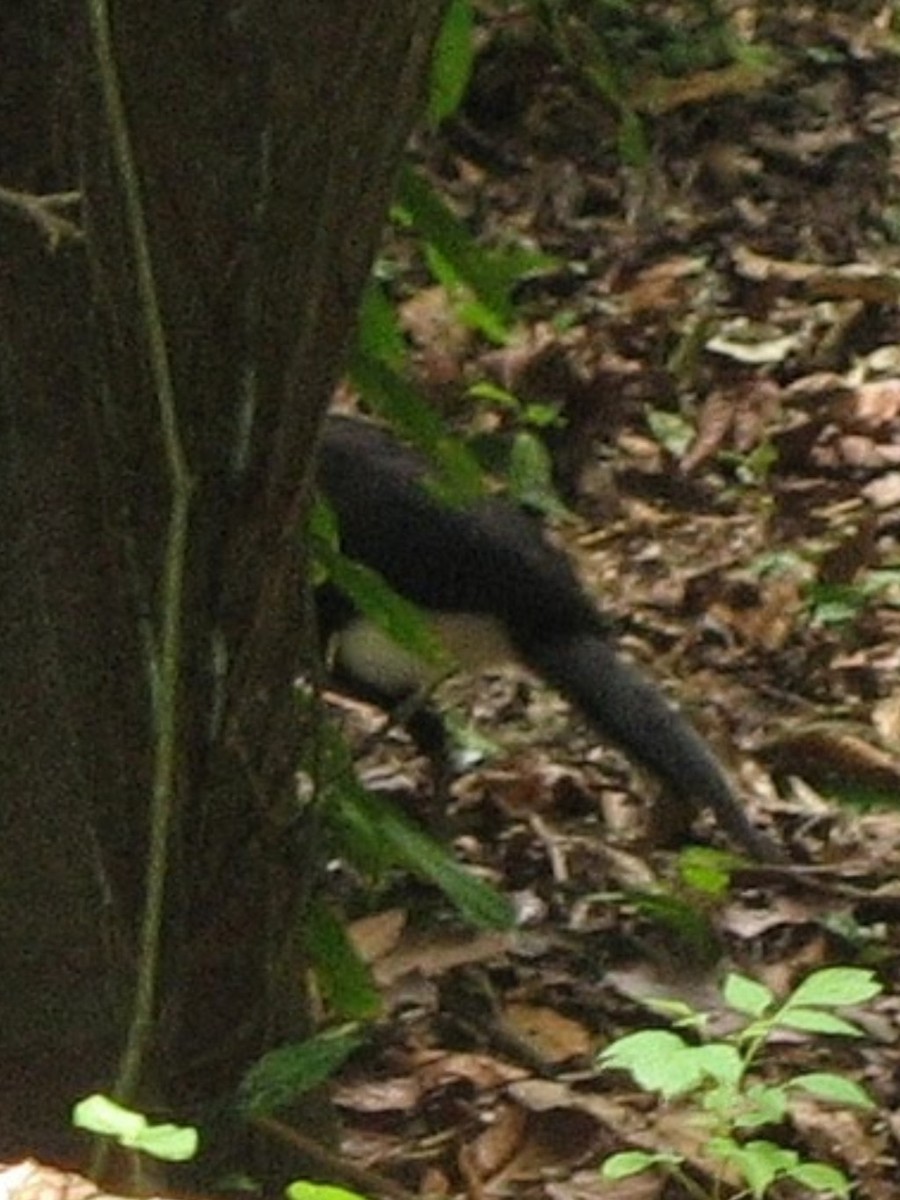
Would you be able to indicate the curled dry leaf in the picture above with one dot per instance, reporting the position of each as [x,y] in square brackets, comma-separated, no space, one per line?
[826,755]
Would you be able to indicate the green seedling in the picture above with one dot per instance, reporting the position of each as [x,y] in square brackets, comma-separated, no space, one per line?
[131,1130]
[718,1084]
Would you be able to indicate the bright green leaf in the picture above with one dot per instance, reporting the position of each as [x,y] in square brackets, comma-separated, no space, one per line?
[819,1177]
[760,1162]
[833,987]
[99,1114]
[657,1060]
[679,1013]
[719,1061]
[170,1143]
[810,1020]
[746,995]
[458,259]
[378,333]
[302,1190]
[706,870]
[765,1105]
[835,1088]
[632,1162]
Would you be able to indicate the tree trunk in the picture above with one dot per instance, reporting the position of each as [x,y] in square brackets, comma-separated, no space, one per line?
[162,377]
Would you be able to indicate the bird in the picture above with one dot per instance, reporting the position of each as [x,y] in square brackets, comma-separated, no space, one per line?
[493,589]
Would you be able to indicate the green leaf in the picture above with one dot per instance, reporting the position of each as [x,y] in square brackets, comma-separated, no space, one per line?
[747,996]
[302,1190]
[836,986]
[457,474]
[632,1162]
[834,1088]
[819,1177]
[834,603]
[344,978]
[170,1143]
[765,1105]
[378,334]
[760,1162]
[720,1061]
[671,430]
[707,870]
[409,847]
[810,1020]
[470,310]
[657,1060]
[283,1075]
[99,1114]
[460,262]
[531,476]
[401,620]
[634,150]
[451,67]
[680,1013]
[467,262]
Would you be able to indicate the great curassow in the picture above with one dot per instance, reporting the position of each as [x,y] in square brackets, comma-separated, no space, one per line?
[494,589]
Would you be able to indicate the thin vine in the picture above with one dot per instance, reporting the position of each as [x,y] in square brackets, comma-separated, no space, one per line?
[168,653]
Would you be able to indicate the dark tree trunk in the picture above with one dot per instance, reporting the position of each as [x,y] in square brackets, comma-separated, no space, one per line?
[263,144]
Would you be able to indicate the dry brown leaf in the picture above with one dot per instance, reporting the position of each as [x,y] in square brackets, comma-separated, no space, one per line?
[664,285]
[853,551]
[430,319]
[714,424]
[375,936]
[556,1038]
[842,1136]
[855,281]
[884,493]
[663,95]
[760,268]
[873,405]
[590,1185]
[483,1071]
[886,719]
[32,1180]
[646,985]
[428,954]
[749,923]
[741,416]
[825,754]
[561,1131]
[770,620]
[495,1146]
[400,1094]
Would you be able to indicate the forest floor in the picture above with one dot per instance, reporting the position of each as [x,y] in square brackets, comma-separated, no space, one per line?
[721,333]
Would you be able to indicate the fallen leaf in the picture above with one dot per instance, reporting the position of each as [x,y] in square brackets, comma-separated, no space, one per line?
[556,1038]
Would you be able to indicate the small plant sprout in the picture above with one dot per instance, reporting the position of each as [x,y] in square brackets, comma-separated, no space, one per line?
[131,1130]
[717,1085]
